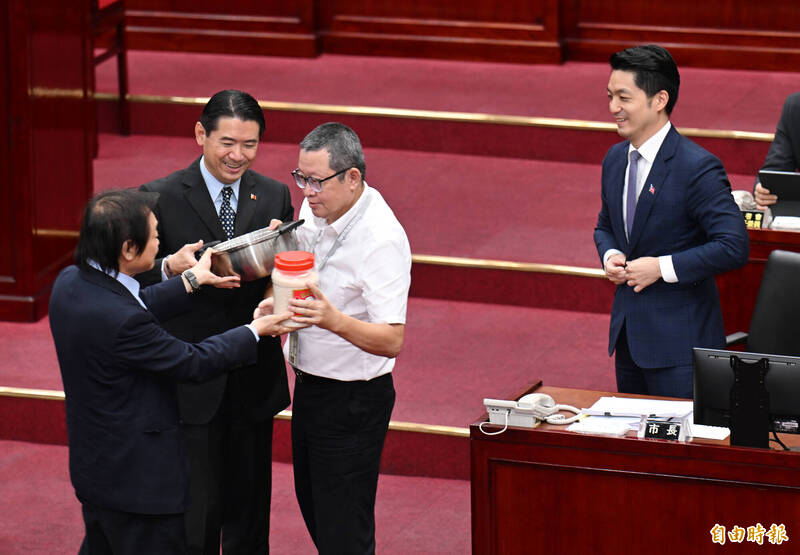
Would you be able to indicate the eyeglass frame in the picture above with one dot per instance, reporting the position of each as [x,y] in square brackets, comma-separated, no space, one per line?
[307,181]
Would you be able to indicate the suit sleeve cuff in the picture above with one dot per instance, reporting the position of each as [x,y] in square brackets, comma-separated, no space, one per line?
[608,254]
[253,329]
[164,276]
[667,269]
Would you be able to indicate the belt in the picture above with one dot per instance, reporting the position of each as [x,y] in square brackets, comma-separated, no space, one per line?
[305,377]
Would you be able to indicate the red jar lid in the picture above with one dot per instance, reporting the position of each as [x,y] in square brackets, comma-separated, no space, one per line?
[294,261]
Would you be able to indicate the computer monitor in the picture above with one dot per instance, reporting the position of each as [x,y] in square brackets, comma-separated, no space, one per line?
[714,377]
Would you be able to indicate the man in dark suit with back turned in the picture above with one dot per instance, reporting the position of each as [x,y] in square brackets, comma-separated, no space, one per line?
[784,152]
[126,456]
[228,420]
[668,224]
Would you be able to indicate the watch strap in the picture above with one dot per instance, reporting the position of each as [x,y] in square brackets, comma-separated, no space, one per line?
[192,279]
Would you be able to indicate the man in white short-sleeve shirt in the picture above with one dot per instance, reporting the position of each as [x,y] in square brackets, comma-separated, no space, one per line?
[344,394]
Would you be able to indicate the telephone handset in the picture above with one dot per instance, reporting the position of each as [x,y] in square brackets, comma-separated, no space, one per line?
[527,412]
[545,408]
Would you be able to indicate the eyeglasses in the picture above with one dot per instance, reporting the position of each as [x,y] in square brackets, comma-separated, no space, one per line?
[313,182]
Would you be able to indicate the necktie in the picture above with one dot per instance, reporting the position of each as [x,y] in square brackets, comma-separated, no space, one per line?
[630,202]
[226,213]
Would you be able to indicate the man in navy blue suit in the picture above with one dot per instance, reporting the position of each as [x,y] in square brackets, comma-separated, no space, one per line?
[668,224]
[119,367]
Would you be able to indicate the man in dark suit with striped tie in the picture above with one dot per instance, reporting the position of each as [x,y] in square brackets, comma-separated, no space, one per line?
[228,420]
[668,224]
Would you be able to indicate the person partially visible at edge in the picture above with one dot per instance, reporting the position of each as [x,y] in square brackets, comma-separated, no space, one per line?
[784,152]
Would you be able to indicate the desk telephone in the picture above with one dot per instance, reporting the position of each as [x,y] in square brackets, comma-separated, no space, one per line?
[527,412]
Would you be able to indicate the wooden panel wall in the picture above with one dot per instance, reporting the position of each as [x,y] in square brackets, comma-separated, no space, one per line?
[513,31]
[743,34]
[244,27]
[727,33]
[45,155]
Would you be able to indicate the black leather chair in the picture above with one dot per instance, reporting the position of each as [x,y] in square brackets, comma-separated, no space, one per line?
[775,325]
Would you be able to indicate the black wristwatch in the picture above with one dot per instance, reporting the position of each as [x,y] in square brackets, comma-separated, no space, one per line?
[192,279]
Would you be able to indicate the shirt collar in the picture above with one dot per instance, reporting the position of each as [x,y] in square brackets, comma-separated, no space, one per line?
[127,281]
[341,223]
[651,146]
[214,185]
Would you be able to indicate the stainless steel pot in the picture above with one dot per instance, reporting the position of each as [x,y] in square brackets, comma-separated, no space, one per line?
[252,255]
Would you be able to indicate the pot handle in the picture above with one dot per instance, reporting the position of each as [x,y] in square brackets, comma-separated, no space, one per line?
[289,226]
[199,252]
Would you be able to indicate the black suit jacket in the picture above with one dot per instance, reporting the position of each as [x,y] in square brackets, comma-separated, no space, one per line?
[118,366]
[185,214]
[784,152]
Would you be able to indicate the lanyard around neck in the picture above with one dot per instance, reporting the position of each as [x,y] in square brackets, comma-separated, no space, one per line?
[341,237]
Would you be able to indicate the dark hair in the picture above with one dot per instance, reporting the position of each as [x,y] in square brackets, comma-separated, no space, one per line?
[231,104]
[342,144]
[653,70]
[110,219]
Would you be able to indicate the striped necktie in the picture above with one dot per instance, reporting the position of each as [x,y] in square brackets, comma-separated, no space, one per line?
[630,203]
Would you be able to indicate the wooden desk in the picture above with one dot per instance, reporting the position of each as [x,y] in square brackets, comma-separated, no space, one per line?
[547,490]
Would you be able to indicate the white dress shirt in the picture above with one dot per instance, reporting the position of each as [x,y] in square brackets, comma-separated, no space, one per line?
[215,187]
[648,151]
[124,279]
[367,277]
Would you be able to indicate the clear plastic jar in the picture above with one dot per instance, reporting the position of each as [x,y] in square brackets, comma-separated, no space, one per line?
[292,271]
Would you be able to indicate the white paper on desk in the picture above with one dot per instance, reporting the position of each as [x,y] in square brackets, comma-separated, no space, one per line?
[603,425]
[786,223]
[607,422]
[624,405]
[653,406]
[709,432]
[619,425]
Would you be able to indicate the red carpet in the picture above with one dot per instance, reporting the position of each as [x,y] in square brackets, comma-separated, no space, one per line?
[572,91]
[455,354]
[450,204]
[28,356]
[454,205]
[576,90]
[41,515]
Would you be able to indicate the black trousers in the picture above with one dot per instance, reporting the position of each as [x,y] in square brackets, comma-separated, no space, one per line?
[110,532]
[230,483]
[338,430]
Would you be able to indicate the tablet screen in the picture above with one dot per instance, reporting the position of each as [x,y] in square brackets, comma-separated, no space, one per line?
[787,186]
[784,184]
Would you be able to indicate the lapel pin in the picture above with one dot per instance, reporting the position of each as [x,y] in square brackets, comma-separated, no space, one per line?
[652,190]
[253,197]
